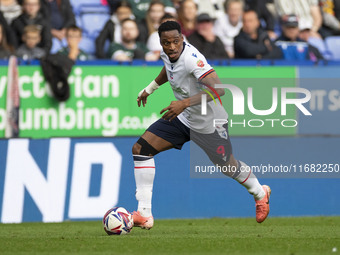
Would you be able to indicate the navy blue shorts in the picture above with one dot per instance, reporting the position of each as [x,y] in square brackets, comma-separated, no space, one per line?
[175,132]
[216,145]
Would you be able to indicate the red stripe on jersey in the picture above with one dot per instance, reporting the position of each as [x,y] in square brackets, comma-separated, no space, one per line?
[205,74]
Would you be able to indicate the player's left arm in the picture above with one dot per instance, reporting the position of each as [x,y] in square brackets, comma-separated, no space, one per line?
[176,107]
[209,81]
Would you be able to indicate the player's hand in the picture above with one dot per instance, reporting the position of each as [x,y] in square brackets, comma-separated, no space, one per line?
[142,98]
[173,110]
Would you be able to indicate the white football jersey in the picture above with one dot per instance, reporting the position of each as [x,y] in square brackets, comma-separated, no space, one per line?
[183,76]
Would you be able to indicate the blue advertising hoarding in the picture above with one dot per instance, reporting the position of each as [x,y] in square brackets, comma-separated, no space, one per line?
[62,179]
[324,105]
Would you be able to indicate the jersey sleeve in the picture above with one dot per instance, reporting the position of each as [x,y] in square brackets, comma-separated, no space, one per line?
[197,65]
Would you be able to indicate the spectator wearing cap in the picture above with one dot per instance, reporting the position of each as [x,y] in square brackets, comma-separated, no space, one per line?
[229,25]
[253,42]
[308,12]
[205,40]
[292,46]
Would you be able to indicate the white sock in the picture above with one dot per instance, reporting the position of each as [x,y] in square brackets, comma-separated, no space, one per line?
[248,180]
[144,175]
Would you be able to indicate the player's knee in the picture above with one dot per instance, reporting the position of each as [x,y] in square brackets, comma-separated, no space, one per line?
[142,147]
[232,162]
[136,149]
[230,166]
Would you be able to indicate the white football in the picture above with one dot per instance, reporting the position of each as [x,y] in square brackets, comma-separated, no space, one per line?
[117,221]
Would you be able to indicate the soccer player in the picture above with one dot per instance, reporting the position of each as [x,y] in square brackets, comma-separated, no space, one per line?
[187,70]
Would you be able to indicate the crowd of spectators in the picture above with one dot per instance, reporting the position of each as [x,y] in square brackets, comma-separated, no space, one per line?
[220,29]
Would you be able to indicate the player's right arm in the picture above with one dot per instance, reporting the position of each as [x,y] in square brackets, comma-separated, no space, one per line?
[148,90]
[162,77]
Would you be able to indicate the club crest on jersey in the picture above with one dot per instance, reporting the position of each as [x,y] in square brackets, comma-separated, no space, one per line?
[200,63]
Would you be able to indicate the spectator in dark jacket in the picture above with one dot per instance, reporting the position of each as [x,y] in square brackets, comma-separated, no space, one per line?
[337,9]
[32,16]
[205,40]
[112,29]
[130,49]
[10,9]
[253,42]
[263,13]
[10,36]
[113,5]
[60,15]
[293,47]
[5,48]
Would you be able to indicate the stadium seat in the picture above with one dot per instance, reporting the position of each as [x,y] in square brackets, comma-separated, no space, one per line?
[93,23]
[93,8]
[88,45]
[333,45]
[321,46]
[77,3]
[56,45]
[78,21]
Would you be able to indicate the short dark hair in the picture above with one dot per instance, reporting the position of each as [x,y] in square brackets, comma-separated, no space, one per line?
[167,16]
[74,28]
[123,4]
[168,26]
[250,10]
[128,19]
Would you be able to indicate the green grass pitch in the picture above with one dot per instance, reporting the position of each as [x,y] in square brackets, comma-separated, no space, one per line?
[308,235]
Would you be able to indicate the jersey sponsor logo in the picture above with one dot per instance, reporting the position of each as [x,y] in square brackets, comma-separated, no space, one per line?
[194,55]
[200,63]
[180,91]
